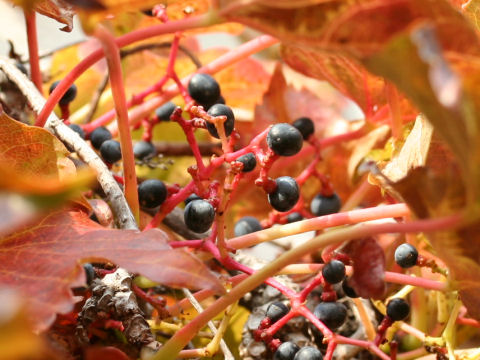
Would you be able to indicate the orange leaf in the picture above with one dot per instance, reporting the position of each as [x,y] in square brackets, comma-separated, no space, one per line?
[41,262]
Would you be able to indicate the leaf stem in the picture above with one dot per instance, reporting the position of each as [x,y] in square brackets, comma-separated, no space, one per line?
[112,55]
[32,39]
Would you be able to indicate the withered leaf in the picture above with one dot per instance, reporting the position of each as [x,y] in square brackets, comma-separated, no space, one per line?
[368,267]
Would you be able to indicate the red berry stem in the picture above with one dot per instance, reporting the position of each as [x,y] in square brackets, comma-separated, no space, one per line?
[158,303]
[34,59]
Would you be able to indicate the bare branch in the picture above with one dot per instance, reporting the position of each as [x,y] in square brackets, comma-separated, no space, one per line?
[123,216]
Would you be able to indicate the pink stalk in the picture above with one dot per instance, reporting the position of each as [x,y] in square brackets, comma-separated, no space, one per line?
[234,265]
[403,279]
[112,55]
[319,223]
[35,73]
[127,39]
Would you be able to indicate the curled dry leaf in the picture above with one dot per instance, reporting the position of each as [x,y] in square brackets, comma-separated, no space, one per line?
[59,10]
[53,248]
[368,271]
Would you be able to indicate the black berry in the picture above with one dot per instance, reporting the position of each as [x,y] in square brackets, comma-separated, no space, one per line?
[294,217]
[199,215]
[89,272]
[305,126]
[247,225]
[164,112]
[228,125]
[191,198]
[286,351]
[22,68]
[204,89]
[249,162]
[99,136]
[325,205]
[276,311]
[334,271]
[69,95]
[111,151]
[143,150]
[308,353]
[332,314]
[284,139]
[77,129]
[285,195]
[348,290]
[398,309]
[148,12]
[152,193]
[406,255]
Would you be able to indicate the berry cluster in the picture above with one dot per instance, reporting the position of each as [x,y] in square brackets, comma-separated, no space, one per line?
[206,203]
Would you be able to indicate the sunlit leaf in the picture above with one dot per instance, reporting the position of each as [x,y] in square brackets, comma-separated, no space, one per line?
[41,261]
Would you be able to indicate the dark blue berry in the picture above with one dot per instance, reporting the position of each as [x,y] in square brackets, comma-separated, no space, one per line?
[325,205]
[199,215]
[69,95]
[22,68]
[228,125]
[191,198]
[77,129]
[89,272]
[284,139]
[276,311]
[247,225]
[204,89]
[286,194]
[398,309]
[111,151]
[294,217]
[305,126]
[406,255]
[249,162]
[143,150]
[152,193]
[99,136]
[332,314]
[286,351]
[164,112]
[308,353]
[334,271]
[348,290]
[148,12]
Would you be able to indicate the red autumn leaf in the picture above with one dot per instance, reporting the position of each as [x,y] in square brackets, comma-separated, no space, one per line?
[368,267]
[282,102]
[59,10]
[41,262]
